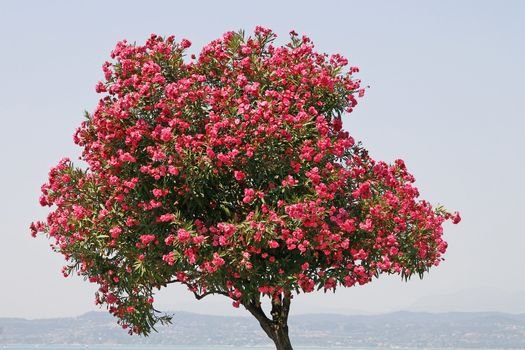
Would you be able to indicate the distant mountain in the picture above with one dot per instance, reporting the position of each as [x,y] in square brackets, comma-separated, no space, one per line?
[476,330]
[473,300]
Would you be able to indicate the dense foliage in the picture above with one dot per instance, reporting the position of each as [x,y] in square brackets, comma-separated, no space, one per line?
[230,173]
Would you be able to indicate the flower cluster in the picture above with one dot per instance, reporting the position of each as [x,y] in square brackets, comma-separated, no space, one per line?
[230,173]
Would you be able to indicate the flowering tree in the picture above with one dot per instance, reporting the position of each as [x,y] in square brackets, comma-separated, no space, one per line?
[230,173]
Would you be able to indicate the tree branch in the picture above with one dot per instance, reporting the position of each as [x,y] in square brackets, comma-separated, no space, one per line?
[254,307]
[200,296]
[276,307]
[287,299]
[173,281]
[193,289]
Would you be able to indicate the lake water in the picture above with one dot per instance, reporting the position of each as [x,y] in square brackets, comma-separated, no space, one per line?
[135,347]
[101,347]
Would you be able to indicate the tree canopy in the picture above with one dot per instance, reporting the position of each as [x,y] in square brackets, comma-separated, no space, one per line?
[229,172]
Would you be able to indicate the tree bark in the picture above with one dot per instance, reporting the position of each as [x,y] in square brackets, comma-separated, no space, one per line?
[281,339]
[277,327]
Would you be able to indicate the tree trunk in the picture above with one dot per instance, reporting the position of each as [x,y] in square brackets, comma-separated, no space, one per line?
[277,327]
[281,339]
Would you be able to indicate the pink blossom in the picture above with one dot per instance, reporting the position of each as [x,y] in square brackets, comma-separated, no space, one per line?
[115,232]
[169,258]
[217,260]
[166,217]
[456,218]
[147,239]
[166,135]
[185,43]
[183,235]
[249,195]
[273,244]
[169,240]
[239,175]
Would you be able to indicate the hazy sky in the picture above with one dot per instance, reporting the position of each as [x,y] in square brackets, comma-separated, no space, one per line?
[446,95]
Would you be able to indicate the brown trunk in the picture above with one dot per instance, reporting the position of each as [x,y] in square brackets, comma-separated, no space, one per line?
[277,327]
[281,339]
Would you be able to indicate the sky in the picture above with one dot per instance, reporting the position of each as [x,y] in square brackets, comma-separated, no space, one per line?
[446,95]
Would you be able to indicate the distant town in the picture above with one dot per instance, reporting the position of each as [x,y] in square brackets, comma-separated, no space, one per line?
[471,330]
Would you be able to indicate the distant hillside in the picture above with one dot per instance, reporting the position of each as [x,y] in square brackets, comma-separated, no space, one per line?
[473,300]
[479,330]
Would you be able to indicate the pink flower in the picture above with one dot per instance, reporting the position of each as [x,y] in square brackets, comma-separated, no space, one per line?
[157,192]
[249,195]
[289,181]
[115,232]
[348,225]
[111,299]
[217,260]
[185,43]
[198,239]
[100,87]
[166,135]
[181,276]
[239,175]
[273,244]
[169,258]
[147,239]
[363,191]
[166,217]
[368,225]
[126,157]
[456,218]
[169,240]
[183,235]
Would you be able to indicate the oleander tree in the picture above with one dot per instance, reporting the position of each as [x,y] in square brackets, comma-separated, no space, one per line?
[229,173]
